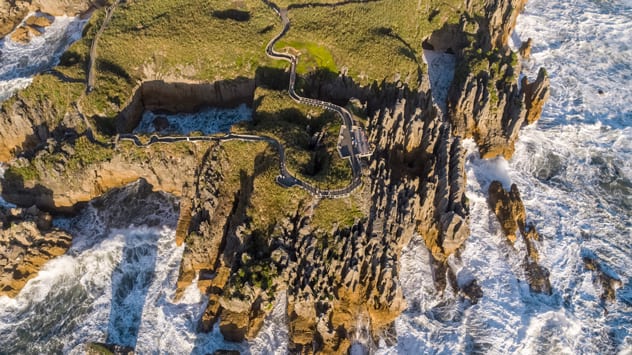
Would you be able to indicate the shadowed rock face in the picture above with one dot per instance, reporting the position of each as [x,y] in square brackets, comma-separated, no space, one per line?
[158,95]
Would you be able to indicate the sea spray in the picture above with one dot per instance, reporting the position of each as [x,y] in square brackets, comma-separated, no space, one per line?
[573,169]
[19,62]
[206,121]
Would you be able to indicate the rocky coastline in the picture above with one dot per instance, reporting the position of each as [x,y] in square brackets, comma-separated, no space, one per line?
[339,281]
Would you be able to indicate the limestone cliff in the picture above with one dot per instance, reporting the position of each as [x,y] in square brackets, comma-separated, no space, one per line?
[340,280]
[337,281]
[178,96]
[485,101]
[68,176]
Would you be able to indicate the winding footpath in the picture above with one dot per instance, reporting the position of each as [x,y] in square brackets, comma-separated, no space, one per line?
[93,47]
[285,178]
[347,119]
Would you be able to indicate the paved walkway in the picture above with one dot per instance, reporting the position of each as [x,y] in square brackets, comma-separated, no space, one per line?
[347,119]
[284,178]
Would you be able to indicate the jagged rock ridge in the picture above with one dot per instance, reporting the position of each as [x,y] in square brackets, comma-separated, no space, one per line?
[340,281]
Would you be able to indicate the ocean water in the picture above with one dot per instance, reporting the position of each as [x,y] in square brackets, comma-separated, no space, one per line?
[116,284]
[573,169]
[207,121]
[19,62]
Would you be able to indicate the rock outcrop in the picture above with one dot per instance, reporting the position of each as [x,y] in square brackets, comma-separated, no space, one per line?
[344,281]
[536,94]
[512,216]
[27,242]
[487,104]
[525,49]
[73,178]
[32,27]
[485,100]
[107,349]
[13,12]
[604,277]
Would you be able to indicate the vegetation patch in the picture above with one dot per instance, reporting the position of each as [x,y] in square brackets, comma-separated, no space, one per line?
[342,213]
[354,32]
[312,56]
[309,135]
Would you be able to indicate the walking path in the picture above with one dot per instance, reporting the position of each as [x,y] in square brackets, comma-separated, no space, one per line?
[347,119]
[95,41]
[284,178]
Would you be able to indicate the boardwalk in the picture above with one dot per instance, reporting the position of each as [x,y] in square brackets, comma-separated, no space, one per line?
[347,119]
[285,178]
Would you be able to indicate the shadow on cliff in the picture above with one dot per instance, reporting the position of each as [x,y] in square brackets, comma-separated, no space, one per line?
[15,191]
[335,4]
[407,50]
[232,14]
[273,78]
[182,97]
[233,245]
[130,284]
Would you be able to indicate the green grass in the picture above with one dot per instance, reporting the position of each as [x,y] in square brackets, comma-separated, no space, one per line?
[373,40]
[340,212]
[87,153]
[312,56]
[270,202]
[24,173]
[294,125]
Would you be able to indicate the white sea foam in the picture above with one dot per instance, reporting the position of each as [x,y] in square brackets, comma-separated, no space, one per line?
[574,172]
[117,284]
[19,62]
[441,72]
[208,121]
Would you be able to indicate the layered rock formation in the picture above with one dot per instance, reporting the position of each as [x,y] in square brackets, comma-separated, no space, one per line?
[486,101]
[339,282]
[72,177]
[27,242]
[511,214]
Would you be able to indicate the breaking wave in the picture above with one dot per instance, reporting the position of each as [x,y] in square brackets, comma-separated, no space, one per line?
[574,172]
[573,169]
[19,62]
